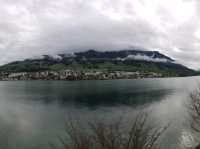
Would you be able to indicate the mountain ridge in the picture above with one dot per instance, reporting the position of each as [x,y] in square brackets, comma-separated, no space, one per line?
[131,60]
[111,55]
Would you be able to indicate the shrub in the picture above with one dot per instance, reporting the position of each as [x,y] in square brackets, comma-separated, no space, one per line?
[113,136]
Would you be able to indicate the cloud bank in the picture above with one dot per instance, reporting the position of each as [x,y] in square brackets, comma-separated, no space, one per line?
[146,58]
[31,28]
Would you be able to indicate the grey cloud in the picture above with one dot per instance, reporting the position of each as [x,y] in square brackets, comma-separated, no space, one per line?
[35,27]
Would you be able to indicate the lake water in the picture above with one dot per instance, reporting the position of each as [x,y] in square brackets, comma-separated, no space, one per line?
[34,113]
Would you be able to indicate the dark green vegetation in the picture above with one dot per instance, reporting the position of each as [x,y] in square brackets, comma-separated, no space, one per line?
[198,147]
[167,69]
[102,61]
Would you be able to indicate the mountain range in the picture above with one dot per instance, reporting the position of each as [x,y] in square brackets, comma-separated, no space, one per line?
[122,60]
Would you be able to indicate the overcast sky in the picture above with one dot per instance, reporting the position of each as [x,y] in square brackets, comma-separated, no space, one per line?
[34,27]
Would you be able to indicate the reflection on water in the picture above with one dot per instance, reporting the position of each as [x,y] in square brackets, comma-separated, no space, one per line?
[114,98]
[33,113]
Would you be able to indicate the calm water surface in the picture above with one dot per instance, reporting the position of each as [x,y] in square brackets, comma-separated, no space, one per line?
[34,113]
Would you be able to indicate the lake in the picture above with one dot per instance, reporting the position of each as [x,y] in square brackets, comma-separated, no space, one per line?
[34,113]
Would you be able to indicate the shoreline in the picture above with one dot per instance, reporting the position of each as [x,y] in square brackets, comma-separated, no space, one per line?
[74,75]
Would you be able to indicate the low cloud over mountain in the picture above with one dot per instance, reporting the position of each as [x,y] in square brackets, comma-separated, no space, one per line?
[35,27]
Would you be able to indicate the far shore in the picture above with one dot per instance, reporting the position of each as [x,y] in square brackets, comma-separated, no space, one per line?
[73,75]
